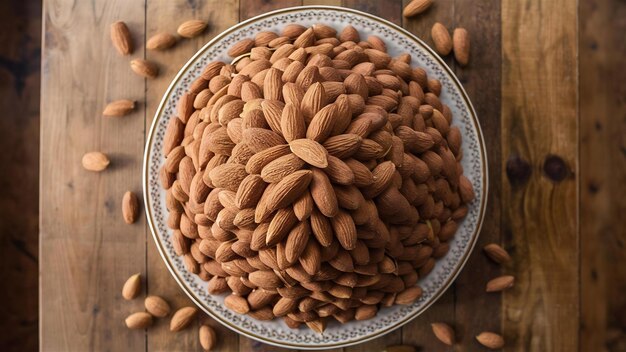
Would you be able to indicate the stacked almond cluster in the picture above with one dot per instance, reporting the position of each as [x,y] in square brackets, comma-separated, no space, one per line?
[316,177]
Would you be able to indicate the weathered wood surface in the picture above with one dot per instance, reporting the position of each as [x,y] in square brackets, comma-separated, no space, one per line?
[533,121]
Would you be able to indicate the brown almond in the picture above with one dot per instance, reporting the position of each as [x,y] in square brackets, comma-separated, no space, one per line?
[490,340]
[208,337]
[249,192]
[139,320]
[237,304]
[441,39]
[321,125]
[241,47]
[119,108]
[132,287]
[120,36]
[344,229]
[256,163]
[95,161]
[303,206]
[497,253]
[191,28]
[182,318]
[157,306]
[281,167]
[292,122]
[311,257]
[144,68]
[310,151]
[466,190]
[314,99]
[259,139]
[161,41]
[296,241]
[461,45]
[416,7]
[323,194]
[339,172]
[280,225]
[289,189]
[409,295]
[500,283]
[130,207]
[444,333]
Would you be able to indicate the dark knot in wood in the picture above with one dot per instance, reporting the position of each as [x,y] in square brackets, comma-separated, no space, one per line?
[518,170]
[555,168]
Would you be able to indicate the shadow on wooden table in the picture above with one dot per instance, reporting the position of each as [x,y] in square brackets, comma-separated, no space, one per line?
[20,52]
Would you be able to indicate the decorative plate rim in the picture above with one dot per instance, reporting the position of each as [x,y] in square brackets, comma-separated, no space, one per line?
[460,263]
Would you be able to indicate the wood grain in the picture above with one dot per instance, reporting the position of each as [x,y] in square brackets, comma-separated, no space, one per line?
[539,139]
[159,19]
[476,311]
[20,34]
[87,251]
[251,8]
[602,175]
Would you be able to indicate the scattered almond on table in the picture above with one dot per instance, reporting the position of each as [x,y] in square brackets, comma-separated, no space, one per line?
[207,336]
[144,68]
[182,318]
[157,306]
[95,161]
[444,333]
[120,36]
[416,7]
[490,340]
[191,28]
[461,45]
[119,108]
[130,207]
[139,320]
[132,287]
[496,253]
[161,41]
[500,283]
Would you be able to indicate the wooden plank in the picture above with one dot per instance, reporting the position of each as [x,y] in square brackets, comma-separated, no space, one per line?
[220,14]
[87,251]
[322,2]
[251,8]
[602,174]
[20,33]
[540,183]
[475,310]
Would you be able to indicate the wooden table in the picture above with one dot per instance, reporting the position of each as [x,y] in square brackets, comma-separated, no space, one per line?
[549,183]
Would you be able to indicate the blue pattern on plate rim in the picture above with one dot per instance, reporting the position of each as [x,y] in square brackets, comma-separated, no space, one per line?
[276,332]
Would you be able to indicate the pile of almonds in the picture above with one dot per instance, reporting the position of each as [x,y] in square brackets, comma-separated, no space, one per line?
[316,177]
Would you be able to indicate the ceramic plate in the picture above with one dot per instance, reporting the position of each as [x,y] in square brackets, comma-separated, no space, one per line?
[474,163]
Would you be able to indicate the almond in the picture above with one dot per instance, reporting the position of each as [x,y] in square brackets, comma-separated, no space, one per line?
[322,193]
[157,306]
[120,36]
[490,340]
[208,337]
[139,320]
[130,207]
[241,47]
[349,34]
[296,241]
[281,167]
[95,161]
[289,189]
[461,45]
[191,28]
[273,85]
[182,318]
[313,100]
[256,163]
[317,325]
[249,192]
[497,253]
[292,123]
[161,41]
[321,125]
[273,110]
[293,30]
[339,172]
[259,139]
[311,258]
[343,146]
[119,108]
[303,206]
[444,333]
[409,295]
[263,38]
[416,7]
[228,176]
[441,39]
[237,304]
[344,229]
[307,38]
[500,283]
[466,190]
[282,222]
[310,151]
[144,68]
[132,287]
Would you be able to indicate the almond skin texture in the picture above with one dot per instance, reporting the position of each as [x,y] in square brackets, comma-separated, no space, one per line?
[497,253]
[95,161]
[144,68]
[191,28]
[443,332]
[139,320]
[120,36]
[119,108]
[441,38]
[161,41]
[182,318]
[132,287]
[461,45]
[157,306]
[208,337]
[130,207]
[416,7]
[490,340]
[500,283]
[310,151]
